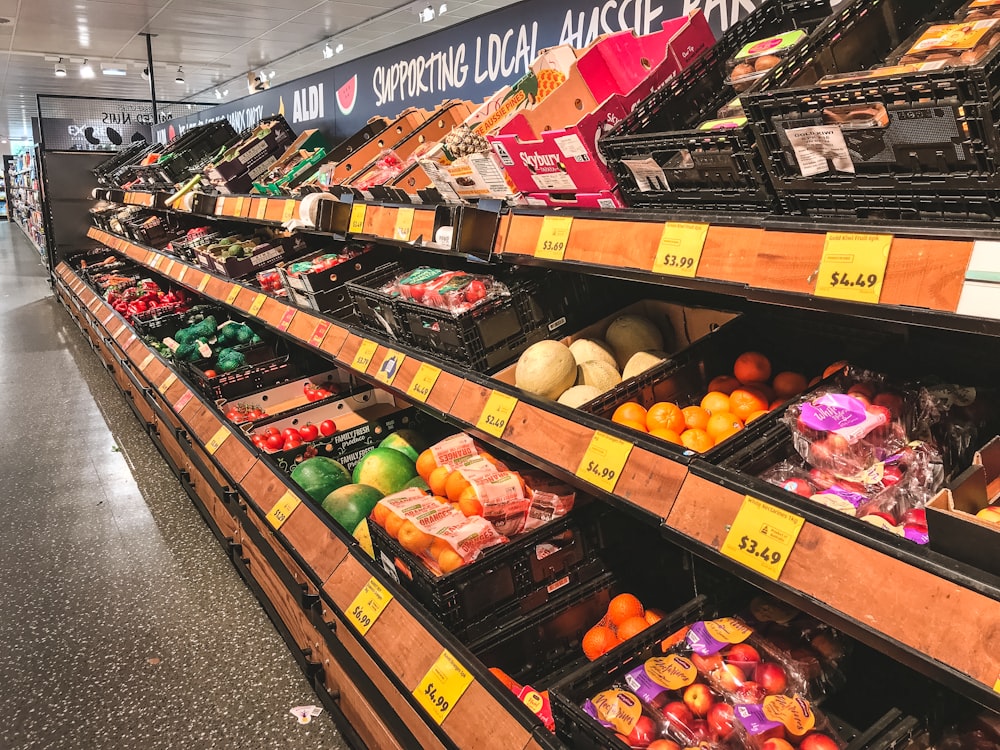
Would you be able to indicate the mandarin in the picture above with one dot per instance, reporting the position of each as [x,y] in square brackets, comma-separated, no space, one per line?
[757,415]
[723,423]
[635,425]
[393,524]
[449,561]
[789,384]
[671,436]
[469,503]
[695,418]
[745,401]
[379,514]
[665,416]
[426,463]
[598,641]
[632,627]
[715,402]
[438,480]
[724,384]
[412,538]
[630,411]
[624,606]
[455,485]
[752,367]
[697,440]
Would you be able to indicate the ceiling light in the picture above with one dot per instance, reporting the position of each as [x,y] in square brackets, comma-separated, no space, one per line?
[339,48]
[271,77]
[443,9]
[86,71]
[426,15]
[179,78]
[218,94]
[327,52]
[60,69]
[110,69]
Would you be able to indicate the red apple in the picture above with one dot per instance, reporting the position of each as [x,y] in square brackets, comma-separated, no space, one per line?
[721,720]
[744,656]
[772,678]
[880,410]
[817,741]
[798,486]
[890,401]
[663,745]
[730,677]
[678,715]
[699,699]
[891,475]
[774,733]
[706,664]
[775,743]
[884,516]
[750,692]
[643,733]
[700,731]
[990,514]
[915,517]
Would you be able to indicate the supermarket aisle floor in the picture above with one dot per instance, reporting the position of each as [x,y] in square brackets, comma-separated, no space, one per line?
[122,623]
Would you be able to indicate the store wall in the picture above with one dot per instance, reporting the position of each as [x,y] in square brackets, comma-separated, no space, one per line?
[470,60]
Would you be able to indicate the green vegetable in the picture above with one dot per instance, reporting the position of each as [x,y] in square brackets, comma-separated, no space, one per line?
[229,360]
[205,329]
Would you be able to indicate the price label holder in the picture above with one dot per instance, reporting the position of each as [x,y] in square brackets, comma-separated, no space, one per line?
[368,605]
[319,335]
[996,685]
[182,274]
[853,266]
[404,224]
[169,270]
[146,362]
[680,248]
[183,401]
[496,414]
[220,206]
[239,207]
[554,237]
[217,440]
[357,225]
[167,382]
[282,509]
[604,461]
[389,369]
[205,278]
[233,294]
[423,382]
[261,209]
[364,356]
[286,319]
[289,211]
[258,302]
[442,687]
[762,536]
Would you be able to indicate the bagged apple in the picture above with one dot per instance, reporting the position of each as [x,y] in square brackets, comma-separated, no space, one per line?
[780,720]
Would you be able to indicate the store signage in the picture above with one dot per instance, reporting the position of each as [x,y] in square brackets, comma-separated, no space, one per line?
[368,606]
[365,354]
[442,686]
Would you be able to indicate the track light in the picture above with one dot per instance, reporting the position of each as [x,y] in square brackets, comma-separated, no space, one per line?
[86,71]
[327,52]
[218,94]
[60,69]
[179,78]
[426,15]
[110,69]
[443,9]
[339,48]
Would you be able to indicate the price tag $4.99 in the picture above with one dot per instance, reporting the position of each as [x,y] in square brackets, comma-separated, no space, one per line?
[604,461]
[442,686]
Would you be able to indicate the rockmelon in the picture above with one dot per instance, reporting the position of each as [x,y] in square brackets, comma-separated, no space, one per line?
[629,334]
[546,369]
[599,374]
[579,395]
[642,361]
[592,350]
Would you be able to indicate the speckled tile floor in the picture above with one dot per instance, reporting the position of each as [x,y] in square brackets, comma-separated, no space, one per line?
[122,623]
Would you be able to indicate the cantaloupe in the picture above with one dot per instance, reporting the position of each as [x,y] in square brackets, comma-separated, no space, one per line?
[642,361]
[578,395]
[629,334]
[592,350]
[599,374]
[546,369]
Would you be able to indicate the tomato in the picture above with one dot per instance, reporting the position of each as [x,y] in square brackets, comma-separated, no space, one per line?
[211,374]
[309,432]
[291,443]
[322,393]
[291,432]
[475,291]
[275,442]
[327,427]
[268,431]
[259,440]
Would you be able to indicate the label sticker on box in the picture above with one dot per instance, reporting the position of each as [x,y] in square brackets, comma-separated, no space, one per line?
[217,440]
[183,401]
[390,366]
[289,211]
[554,237]
[233,294]
[286,319]
[649,176]
[496,413]
[282,509]
[853,266]
[258,302]
[404,224]
[442,687]
[261,209]
[358,211]
[146,362]
[820,149]
[762,537]
[423,382]
[604,461]
[368,605]
[680,249]
[363,357]
[572,147]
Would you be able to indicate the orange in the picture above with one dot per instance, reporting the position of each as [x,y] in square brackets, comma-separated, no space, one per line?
[695,418]
[455,485]
[635,425]
[745,401]
[437,547]
[724,384]
[775,404]
[697,440]
[438,480]
[393,524]
[715,402]
[762,389]
[815,381]
[665,416]
[438,498]
[752,367]
[449,561]
[412,538]
[469,503]
[671,436]
[630,411]
[624,606]
[835,368]
[426,463]
[727,434]
[379,514]
[653,616]
[788,384]
[598,641]
[757,414]
[723,423]
[632,627]
[506,680]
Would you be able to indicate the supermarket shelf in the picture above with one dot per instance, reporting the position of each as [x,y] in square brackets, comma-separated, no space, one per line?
[831,570]
[312,570]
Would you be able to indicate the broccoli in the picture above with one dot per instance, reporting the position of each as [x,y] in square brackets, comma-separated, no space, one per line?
[229,360]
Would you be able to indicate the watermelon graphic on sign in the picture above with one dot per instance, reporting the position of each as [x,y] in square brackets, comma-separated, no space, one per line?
[347,96]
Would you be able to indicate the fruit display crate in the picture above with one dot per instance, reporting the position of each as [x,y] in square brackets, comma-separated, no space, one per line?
[290,398]
[375,309]
[267,364]
[508,580]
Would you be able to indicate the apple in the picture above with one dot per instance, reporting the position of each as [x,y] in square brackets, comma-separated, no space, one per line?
[721,720]
[677,714]
[882,411]
[880,514]
[916,517]
[890,401]
[798,486]
[775,743]
[700,731]
[643,733]
[772,678]
[750,692]
[837,444]
[663,745]
[706,664]
[990,514]
[744,656]
[774,733]
[699,699]
[891,475]
[730,677]
[817,741]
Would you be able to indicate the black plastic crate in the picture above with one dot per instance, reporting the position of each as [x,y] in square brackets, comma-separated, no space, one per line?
[926,132]
[508,580]
[265,367]
[704,170]
[894,206]
[375,309]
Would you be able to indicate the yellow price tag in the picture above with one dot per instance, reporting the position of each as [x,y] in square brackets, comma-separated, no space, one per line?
[404,223]
[261,209]
[364,356]
[604,461]
[146,362]
[258,302]
[282,509]
[167,382]
[762,537]
[239,207]
[996,686]
[182,274]
[680,248]
[496,414]
[233,294]
[289,210]
[358,211]
[205,278]
[169,270]
[853,266]
[217,440]
[220,206]
[554,237]
[442,686]
[389,369]
[370,602]
[423,382]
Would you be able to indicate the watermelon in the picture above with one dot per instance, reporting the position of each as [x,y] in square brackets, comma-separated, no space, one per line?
[320,476]
[347,96]
[350,505]
[385,469]
[408,442]
[419,483]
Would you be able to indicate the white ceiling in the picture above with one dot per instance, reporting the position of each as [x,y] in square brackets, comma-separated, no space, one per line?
[216,41]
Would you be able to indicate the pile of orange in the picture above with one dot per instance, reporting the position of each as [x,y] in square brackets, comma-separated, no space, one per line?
[414,539]
[450,486]
[626,618]
[732,402]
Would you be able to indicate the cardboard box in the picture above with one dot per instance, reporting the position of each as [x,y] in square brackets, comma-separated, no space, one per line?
[358,161]
[601,200]
[237,169]
[952,525]
[305,152]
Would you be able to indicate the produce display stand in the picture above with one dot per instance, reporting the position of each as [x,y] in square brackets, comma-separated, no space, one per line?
[832,572]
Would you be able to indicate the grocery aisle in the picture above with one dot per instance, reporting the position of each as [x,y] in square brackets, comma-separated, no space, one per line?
[122,622]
